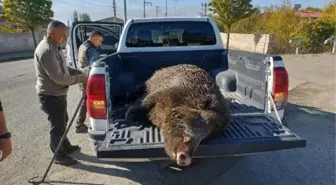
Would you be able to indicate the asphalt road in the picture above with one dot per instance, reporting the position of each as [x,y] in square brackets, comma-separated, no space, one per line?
[311,115]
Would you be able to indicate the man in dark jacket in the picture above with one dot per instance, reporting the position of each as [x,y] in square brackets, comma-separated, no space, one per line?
[87,53]
[53,80]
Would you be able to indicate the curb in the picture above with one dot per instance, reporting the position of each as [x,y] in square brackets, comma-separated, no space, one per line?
[15,56]
[18,56]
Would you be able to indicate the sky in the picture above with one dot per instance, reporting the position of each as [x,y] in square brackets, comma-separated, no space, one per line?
[100,9]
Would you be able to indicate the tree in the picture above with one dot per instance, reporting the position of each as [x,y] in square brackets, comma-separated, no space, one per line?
[75,16]
[228,12]
[32,14]
[84,17]
[329,12]
[80,17]
[315,9]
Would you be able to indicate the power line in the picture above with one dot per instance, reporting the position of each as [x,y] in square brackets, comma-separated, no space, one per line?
[135,1]
[158,10]
[174,6]
[144,7]
[204,8]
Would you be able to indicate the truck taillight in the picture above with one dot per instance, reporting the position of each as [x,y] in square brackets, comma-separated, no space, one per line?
[280,88]
[96,97]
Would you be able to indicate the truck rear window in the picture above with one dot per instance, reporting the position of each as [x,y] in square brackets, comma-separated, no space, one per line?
[165,34]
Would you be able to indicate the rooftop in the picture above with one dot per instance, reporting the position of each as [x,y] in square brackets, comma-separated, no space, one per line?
[311,14]
[111,19]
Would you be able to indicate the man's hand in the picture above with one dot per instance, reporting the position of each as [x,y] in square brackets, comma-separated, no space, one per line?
[86,71]
[5,148]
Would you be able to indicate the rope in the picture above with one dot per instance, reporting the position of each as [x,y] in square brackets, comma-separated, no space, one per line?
[274,107]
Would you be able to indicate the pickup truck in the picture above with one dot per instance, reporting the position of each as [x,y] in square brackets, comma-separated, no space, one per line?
[257,85]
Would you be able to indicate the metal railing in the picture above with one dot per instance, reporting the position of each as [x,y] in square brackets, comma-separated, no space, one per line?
[298,43]
[330,40]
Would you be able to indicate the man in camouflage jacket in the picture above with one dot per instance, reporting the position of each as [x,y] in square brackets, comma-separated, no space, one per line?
[87,53]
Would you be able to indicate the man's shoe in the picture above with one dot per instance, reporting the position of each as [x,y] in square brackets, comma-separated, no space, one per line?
[81,128]
[71,148]
[65,160]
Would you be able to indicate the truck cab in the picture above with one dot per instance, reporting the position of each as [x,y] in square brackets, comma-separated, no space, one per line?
[257,85]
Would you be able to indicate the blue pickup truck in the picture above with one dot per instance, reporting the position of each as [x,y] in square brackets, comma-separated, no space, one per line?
[257,85]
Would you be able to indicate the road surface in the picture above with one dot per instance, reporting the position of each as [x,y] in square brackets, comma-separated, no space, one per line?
[311,115]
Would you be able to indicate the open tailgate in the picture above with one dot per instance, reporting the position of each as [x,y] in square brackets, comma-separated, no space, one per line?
[245,135]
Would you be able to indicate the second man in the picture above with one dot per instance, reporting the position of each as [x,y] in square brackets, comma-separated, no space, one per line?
[87,53]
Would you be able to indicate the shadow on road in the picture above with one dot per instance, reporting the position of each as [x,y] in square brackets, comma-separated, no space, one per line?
[161,172]
[293,111]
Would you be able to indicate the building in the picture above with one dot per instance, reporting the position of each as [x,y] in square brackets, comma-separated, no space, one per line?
[301,13]
[308,14]
[111,19]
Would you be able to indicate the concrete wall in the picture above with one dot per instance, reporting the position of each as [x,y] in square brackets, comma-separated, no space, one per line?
[19,45]
[18,42]
[259,43]
[23,42]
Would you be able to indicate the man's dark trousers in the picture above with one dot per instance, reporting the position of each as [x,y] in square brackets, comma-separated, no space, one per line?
[56,109]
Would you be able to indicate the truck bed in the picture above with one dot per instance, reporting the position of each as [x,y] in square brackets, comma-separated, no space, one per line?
[239,105]
[245,134]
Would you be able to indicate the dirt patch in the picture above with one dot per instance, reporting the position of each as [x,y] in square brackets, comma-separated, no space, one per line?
[314,95]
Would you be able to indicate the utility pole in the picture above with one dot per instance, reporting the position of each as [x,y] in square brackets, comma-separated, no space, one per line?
[166,14]
[205,6]
[205,9]
[158,10]
[125,11]
[144,7]
[177,12]
[114,10]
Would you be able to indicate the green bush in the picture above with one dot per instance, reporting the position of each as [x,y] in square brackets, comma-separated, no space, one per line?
[283,24]
[313,33]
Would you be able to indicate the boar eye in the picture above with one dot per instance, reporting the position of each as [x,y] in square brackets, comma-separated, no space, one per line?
[186,139]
